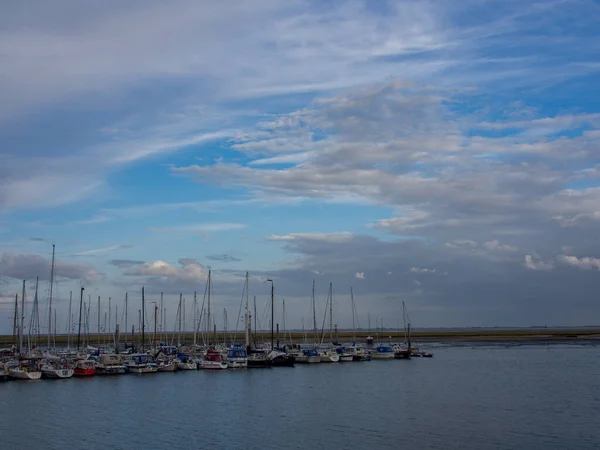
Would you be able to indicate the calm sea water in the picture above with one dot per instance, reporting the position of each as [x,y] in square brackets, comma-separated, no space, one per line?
[526,397]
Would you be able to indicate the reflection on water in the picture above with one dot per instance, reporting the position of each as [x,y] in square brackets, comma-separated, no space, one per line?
[529,397]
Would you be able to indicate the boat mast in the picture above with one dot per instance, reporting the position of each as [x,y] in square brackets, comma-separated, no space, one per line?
[314,308]
[331,312]
[126,320]
[109,315]
[272,312]
[79,324]
[98,321]
[143,317]
[179,334]
[34,321]
[195,317]
[22,319]
[15,322]
[246,318]
[154,337]
[208,310]
[50,301]
[353,316]
[69,320]
[255,329]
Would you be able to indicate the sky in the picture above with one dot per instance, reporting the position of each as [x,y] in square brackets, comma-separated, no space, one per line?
[445,154]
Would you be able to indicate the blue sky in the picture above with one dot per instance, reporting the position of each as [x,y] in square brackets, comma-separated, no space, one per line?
[441,153]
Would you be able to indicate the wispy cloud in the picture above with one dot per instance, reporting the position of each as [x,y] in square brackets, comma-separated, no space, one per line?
[98,251]
[201,228]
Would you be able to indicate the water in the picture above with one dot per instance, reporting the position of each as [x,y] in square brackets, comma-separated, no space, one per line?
[528,397]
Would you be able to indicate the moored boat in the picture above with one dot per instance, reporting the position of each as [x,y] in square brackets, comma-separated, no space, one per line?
[56,371]
[308,356]
[328,356]
[237,358]
[141,363]
[110,364]
[85,368]
[383,352]
[167,366]
[344,355]
[213,360]
[24,372]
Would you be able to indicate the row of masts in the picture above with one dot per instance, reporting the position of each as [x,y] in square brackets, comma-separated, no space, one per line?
[205,317]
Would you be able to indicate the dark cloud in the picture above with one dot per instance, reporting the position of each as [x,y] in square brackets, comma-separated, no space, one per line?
[125,263]
[223,258]
[27,266]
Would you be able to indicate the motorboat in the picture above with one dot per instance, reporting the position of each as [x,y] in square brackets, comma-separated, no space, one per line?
[329,355]
[308,356]
[237,358]
[167,366]
[184,362]
[110,364]
[383,351]
[85,368]
[141,363]
[344,355]
[358,353]
[213,360]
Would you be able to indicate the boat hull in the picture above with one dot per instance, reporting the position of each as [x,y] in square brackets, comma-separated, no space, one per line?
[346,358]
[142,370]
[116,370]
[187,366]
[18,374]
[57,373]
[237,363]
[329,358]
[213,365]
[78,372]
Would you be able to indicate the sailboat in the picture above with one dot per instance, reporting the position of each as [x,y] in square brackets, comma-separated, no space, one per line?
[328,355]
[412,351]
[27,367]
[277,357]
[56,369]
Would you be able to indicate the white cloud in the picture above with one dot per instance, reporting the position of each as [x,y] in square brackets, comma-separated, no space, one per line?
[359,275]
[421,270]
[535,263]
[495,245]
[585,263]
[337,238]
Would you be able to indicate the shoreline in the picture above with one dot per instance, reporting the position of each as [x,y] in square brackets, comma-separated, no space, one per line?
[546,335]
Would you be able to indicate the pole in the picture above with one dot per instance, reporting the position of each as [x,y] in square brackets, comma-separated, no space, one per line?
[22,319]
[50,301]
[126,320]
[69,322]
[246,318]
[143,321]
[208,310]
[79,324]
[98,321]
[154,336]
[195,325]
[179,334]
[272,313]
[314,312]
[15,322]
[162,329]
[331,311]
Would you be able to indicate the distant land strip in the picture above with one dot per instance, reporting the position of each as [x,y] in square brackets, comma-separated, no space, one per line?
[438,336]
